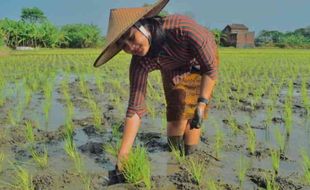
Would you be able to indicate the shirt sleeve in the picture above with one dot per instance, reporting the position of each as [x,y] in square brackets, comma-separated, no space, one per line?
[203,46]
[138,84]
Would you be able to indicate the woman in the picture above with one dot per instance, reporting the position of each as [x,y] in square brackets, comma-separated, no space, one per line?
[185,53]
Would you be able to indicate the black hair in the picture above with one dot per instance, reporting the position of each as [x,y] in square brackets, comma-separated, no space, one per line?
[155,26]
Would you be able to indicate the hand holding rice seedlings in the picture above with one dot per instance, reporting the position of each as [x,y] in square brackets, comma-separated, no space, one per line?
[137,168]
[275,157]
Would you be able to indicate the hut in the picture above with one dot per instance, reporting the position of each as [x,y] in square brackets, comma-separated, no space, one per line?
[237,35]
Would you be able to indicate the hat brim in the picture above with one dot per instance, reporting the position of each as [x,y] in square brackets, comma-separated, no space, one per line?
[111,49]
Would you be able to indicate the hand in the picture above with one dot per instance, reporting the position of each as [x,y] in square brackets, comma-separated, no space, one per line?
[196,122]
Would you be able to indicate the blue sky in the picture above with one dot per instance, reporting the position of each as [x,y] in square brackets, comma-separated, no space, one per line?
[282,15]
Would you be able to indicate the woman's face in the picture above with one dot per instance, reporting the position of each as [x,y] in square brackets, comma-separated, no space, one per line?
[134,42]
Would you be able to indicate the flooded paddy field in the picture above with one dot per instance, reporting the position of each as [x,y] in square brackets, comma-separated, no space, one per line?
[61,121]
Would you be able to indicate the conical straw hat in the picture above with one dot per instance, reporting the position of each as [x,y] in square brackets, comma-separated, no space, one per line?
[120,21]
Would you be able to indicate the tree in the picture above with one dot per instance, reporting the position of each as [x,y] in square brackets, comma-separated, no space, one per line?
[266,37]
[304,32]
[217,35]
[81,35]
[33,15]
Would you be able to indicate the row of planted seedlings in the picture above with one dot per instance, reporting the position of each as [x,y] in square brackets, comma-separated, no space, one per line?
[31,80]
[69,144]
[239,82]
[25,84]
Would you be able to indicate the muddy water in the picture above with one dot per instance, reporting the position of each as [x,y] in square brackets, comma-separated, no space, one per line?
[166,172]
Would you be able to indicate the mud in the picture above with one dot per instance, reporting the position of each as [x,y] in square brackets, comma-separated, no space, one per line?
[167,173]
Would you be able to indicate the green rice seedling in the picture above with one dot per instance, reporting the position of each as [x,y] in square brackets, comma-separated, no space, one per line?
[269,114]
[233,125]
[270,182]
[2,157]
[304,95]
[219,135]
[96,113]
[69,145]
[23,179]
[288,118]
[211,185]
[279,138]
[99,82]
[306,166]
[177,153]
[28,95]
[69,109]
[40,158]
[275,157]
[196,168]
[87,179]
[163,126]
[242,168]
[112,148]
[29,133]
[116,133]
[46,108]
[251,138]
[71,151]
[137,168]
[11,118]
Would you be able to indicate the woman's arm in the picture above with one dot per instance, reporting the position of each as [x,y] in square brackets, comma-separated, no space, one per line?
[131,128]
[207,85]
[136,109]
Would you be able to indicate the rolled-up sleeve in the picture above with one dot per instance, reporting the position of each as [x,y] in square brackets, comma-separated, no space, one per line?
[138,84]
[203,46]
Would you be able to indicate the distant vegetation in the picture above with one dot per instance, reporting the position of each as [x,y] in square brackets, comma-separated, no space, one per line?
[300,38]
[35,30]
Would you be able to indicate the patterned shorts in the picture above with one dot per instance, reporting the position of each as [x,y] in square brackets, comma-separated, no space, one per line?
[182,98]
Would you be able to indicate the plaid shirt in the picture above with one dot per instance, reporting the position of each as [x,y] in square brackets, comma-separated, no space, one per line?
[190,44]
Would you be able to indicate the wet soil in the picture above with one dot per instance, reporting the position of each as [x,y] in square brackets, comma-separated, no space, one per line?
[166,172]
